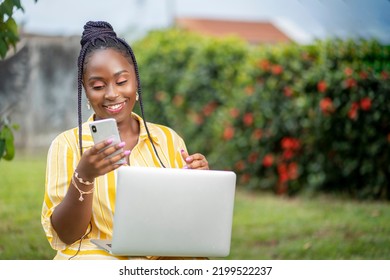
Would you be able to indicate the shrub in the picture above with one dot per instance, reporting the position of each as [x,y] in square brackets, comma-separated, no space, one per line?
[285,118]
[187,81]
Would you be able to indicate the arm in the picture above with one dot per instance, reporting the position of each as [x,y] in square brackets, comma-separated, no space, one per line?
[71,217]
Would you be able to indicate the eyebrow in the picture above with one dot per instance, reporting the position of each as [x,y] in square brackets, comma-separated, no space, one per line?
[115,75]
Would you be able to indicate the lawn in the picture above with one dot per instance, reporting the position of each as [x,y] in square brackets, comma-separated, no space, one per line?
[265,226]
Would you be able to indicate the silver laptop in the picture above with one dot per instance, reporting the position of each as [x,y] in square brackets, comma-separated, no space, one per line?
[172,212]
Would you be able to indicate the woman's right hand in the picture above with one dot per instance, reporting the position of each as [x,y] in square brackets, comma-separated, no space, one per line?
[96,161]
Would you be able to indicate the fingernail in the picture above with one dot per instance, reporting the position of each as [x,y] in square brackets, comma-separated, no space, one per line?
[127,152]
[188,158]
[110,140]
[121,144]
[182,150]
[185,167]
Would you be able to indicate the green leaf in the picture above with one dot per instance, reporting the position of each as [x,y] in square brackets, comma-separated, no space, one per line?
[7,135]
[3,48]
[7,7]
[2,148]
[18,5]
[12,26]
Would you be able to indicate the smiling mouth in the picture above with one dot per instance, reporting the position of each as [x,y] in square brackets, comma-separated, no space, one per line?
[115,107]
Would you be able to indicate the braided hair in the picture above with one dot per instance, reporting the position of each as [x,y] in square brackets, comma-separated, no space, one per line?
[100,35]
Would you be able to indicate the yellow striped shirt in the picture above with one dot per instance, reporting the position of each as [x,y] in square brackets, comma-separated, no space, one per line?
[62,160]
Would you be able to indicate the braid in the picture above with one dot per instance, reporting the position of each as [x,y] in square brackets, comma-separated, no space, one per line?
[140,96]
[100,35]
[79,91]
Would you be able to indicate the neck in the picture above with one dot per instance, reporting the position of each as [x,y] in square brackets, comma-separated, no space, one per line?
[129,126]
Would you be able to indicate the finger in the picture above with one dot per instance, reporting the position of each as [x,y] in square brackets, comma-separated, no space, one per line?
[192,158]
[185,156]
[97,148]
[197,161]
[119,159]
[111,163]
[107,152]
[198,164]
[196,156]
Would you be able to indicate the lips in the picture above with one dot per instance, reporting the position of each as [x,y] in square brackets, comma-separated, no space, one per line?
[115,108]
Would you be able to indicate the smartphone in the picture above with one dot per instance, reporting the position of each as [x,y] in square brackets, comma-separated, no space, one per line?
[105,129]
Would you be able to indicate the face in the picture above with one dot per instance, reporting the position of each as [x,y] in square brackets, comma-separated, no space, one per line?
[110,84]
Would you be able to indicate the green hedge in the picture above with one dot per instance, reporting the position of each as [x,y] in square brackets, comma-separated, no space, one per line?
[285,118]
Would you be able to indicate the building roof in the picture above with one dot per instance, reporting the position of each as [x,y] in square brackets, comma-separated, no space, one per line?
[251,31]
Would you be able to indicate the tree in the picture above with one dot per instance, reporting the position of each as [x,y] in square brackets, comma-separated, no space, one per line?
[9,36]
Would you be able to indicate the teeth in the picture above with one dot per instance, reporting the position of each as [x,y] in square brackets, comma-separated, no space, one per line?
[114,107]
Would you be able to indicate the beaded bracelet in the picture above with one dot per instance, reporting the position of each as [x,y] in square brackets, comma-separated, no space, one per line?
[81,180]
[81,198]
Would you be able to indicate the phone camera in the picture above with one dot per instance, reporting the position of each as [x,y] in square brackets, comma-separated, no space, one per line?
[94,128]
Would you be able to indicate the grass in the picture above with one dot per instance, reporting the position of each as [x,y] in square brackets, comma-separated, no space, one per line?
[21,196]
[322,228]
[265,227]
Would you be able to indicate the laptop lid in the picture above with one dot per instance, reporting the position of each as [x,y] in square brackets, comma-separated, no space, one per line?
[173,212]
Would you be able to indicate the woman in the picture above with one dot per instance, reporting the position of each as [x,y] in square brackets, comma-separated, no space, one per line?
[80,179]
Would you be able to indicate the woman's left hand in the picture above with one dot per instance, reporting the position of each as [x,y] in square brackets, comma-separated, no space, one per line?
[195,161]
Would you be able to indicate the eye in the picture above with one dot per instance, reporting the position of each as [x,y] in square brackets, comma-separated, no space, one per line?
[97,86]
[121,82]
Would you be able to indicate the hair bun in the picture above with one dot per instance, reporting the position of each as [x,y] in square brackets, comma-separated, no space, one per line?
[96,29]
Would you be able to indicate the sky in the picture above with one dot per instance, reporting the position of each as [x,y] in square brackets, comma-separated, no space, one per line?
[302,20]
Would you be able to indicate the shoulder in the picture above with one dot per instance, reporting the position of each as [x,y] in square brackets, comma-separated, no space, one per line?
[71,135]
[162,129]
[157,130]
[67,135]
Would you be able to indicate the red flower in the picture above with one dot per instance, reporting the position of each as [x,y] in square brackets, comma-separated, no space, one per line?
[228,133]
[283,174]
[365,104]
[277,69]
[321,86]
[363,75]
[287,91]
[290,143]
[350,83]
[292,170]
[268,160]
[240,165]
[197,119]
[178,100]
[288,154]
[249,90]
[248,119]
[264,64]
[257,134]
[245,178]
[326,105]
[234,112]
[384,75]
[353,111]
[209,108]
[348,71]
[253,157]
[305,56]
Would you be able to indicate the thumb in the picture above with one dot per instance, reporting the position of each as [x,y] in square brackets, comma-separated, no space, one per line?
[184,154]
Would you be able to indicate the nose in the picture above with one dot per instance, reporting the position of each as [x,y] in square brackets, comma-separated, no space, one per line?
[111,93]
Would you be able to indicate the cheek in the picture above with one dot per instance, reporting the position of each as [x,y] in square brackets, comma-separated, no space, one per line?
[94,96]
[128,90]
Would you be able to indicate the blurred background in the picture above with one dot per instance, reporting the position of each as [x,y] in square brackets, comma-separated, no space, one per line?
[292,95]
